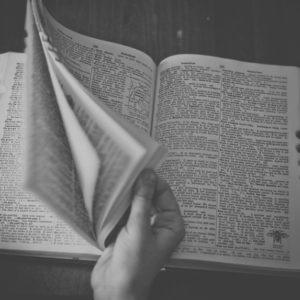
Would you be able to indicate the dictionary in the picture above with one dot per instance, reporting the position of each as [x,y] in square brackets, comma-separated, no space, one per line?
[231,133]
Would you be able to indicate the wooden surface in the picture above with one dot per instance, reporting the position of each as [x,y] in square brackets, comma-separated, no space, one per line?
[261,31]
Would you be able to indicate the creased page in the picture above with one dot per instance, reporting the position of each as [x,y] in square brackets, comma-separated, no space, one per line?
[124,150]
[121,77]
[84,154]
[121,155]
[51,169]
[26,223]
[226,126]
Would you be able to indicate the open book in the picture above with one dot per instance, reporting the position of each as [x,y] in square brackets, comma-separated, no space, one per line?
[83,157]
[230,128]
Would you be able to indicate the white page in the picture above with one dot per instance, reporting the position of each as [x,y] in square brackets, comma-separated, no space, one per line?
[51,170]
[27,225]
[120,145]
[84,154]
[230,130]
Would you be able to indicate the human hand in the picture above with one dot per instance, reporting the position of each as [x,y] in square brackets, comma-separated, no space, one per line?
[127,267]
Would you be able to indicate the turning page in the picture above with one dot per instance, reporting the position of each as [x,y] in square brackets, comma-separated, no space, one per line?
[51,171]
[122,148]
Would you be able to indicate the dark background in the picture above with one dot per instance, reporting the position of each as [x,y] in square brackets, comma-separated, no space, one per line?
[257,31]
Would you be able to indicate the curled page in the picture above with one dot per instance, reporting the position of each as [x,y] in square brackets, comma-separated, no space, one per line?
[84,154]
[51,172]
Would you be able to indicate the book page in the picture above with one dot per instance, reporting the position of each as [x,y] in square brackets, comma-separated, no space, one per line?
[231,151]
[121,77]
[51,171]
[123,149]
[84,154]
[26,223]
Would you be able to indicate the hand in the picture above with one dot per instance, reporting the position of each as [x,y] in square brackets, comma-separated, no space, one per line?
[154,228]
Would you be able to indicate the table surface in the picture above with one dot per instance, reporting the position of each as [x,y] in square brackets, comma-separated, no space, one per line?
[258,31]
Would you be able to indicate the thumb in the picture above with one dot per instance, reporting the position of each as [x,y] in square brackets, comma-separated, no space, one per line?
[143,192]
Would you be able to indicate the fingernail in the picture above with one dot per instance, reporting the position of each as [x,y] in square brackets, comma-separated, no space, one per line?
[148,177]
[145,181]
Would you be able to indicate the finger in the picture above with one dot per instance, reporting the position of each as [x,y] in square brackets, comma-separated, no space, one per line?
[143,192]
[168,224]
[102,261]
[164,197]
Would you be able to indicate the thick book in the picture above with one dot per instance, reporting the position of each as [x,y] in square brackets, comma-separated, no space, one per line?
[230,127]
